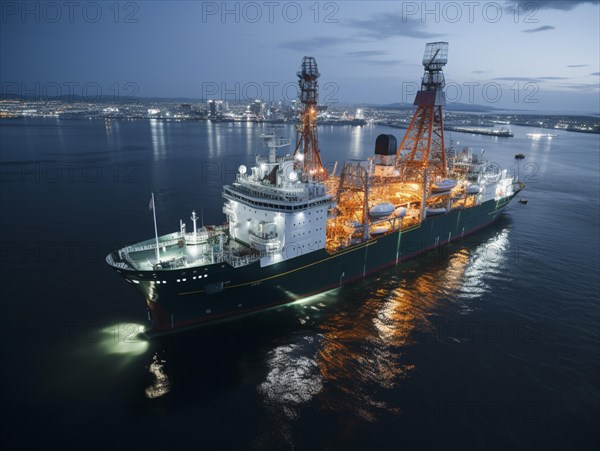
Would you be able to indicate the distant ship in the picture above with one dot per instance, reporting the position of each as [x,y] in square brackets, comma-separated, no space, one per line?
[357,119]
[542,135]
[343,122]
[293,230]
[504,132]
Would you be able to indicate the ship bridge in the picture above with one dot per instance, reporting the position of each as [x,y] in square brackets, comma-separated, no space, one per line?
[286,199]
[272,208]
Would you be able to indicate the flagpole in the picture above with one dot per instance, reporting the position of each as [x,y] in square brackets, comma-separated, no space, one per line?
[202,213]
[155,229]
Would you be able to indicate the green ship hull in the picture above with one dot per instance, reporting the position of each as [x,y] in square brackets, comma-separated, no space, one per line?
[187,298]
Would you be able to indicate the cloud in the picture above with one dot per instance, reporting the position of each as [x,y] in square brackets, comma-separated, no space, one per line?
[386,62]
[528,5]
[538,29]
[385,25]
[514,78]
[586,87]
[578,65]
[530,79]
[595,73]
[365,53]
[478,71]
[314,43]
[365,56]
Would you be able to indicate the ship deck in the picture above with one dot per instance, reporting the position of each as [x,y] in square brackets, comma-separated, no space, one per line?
[177,251]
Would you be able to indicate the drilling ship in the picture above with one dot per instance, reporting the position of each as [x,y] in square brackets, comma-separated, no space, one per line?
[294,230]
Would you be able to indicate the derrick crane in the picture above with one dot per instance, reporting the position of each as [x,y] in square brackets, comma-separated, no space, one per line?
[423,144]
[307,154]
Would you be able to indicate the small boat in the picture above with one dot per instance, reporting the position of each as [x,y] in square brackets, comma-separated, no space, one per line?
[520,156]
[542,135]
[473,189]
[378,230]
[435,211]
[381,210]
[400,212]
[443,186]
[523,201]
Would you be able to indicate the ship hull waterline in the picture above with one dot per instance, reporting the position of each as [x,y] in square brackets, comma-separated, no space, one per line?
[219,292]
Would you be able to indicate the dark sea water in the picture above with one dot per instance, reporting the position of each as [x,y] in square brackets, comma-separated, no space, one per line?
[489,343]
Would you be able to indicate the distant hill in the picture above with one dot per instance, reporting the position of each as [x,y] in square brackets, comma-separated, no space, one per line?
[68,98]
[470,107]
[451,106]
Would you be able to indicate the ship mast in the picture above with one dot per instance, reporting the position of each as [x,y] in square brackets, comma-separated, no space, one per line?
[155,229]
[307,154]
[423,142]
[194,218]
[273,142]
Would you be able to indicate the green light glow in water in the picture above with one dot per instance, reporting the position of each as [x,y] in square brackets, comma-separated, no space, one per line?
[124,339]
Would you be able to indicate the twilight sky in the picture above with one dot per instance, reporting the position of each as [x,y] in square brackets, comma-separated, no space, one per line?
[539,55]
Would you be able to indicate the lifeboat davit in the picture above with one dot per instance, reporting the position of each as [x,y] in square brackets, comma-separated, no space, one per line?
[381,210]
[443,186]
[473,189]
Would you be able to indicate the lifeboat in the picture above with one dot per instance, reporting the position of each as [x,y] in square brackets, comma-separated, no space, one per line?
[443,186]
[435,211]
[473,189]
[381,210]
[400,212]
[378,230]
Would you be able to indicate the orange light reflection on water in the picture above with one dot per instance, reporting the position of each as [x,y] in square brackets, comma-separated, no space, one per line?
[384,323]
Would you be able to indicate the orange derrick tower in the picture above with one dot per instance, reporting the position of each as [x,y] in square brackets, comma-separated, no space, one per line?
[308,158]
[423,145]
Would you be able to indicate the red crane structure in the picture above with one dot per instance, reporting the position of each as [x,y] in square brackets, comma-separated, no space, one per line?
[423,145]
[307,154]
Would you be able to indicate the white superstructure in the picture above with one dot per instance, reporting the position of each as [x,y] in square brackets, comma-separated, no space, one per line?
[271,210]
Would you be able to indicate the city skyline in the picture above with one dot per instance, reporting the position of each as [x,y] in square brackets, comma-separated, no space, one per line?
[539,56]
